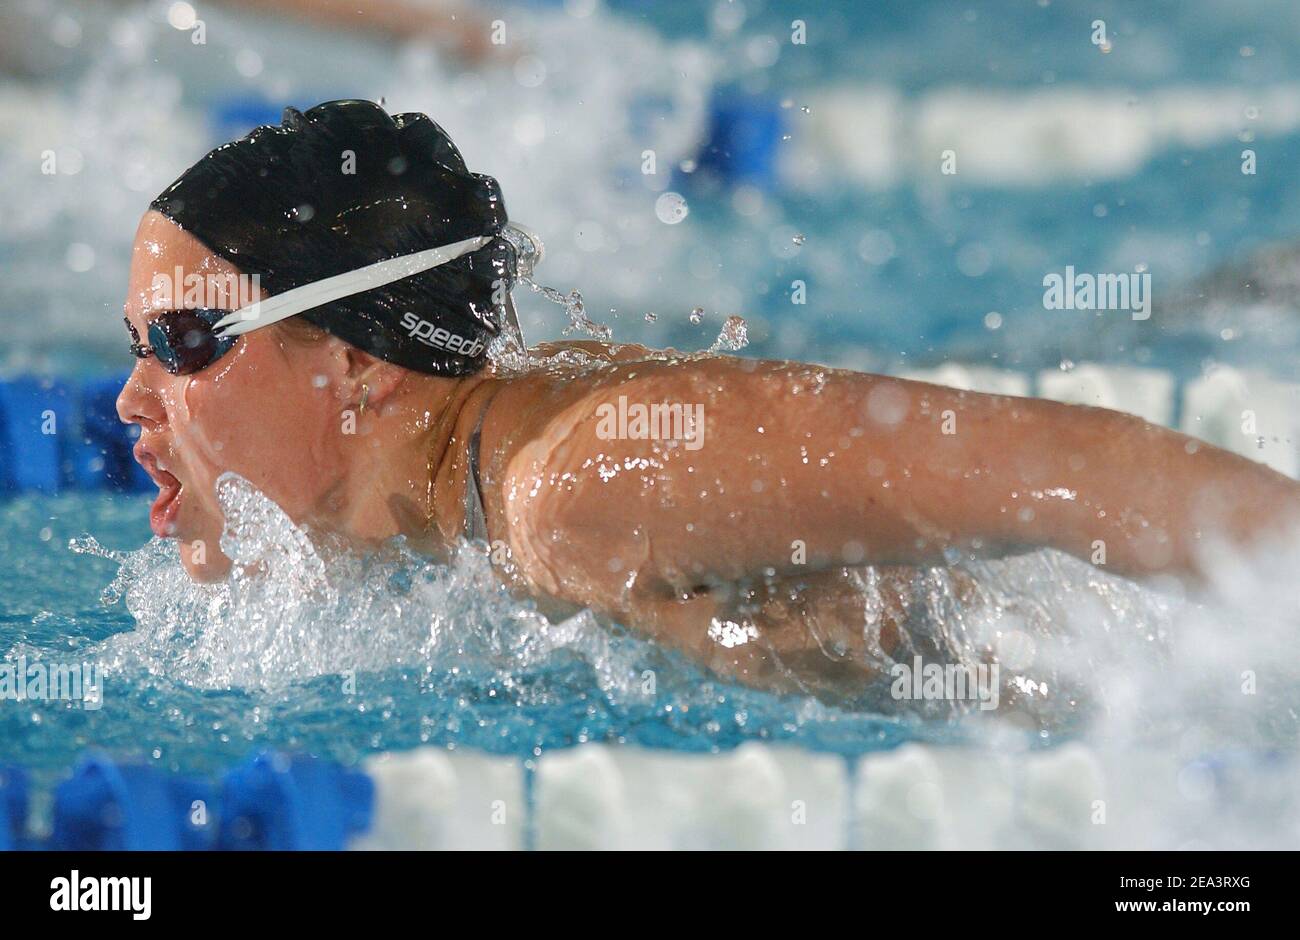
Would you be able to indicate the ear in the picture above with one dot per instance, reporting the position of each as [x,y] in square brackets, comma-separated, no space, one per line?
[378,379]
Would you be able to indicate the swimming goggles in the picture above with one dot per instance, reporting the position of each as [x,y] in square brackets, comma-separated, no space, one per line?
[186,341]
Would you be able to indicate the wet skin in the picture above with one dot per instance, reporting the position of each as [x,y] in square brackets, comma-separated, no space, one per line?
[858,469]
[804,474]
[278,411]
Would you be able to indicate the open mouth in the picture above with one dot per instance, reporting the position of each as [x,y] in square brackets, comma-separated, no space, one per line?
[163,513]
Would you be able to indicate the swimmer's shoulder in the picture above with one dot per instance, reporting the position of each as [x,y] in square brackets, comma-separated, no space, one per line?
[595,351]
[565,378]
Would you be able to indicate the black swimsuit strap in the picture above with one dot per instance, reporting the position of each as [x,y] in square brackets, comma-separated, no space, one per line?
[475,518]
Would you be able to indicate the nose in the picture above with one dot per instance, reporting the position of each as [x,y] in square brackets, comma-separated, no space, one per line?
[139,402]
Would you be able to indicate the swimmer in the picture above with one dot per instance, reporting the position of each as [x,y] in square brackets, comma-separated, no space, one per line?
[723,506]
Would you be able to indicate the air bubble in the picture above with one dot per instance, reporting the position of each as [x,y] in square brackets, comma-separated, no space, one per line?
[671,208]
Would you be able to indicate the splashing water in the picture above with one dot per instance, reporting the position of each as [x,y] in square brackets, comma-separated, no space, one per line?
[576,310]
[1077,648]
[733,337]
[315,645]
[318,646]
[299,605]
[445,646]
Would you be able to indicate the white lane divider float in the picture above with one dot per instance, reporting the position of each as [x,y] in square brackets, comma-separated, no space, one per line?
[1247,413]
[760,796]
[755,797]
[1147,393]
[1251,414]
[1062,799]
[898,802]
[919,797]
[431,798]
[973,379]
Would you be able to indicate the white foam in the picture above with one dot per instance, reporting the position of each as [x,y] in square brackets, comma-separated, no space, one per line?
[301,605]
[1141,797]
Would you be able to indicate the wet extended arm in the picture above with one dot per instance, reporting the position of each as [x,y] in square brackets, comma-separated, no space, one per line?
[801,467]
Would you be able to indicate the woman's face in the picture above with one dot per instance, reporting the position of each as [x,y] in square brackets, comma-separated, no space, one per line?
[269,409]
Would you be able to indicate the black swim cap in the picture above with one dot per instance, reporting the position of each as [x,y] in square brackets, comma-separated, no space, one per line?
[346,185]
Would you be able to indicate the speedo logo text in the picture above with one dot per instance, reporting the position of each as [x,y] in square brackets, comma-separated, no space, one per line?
[439,337]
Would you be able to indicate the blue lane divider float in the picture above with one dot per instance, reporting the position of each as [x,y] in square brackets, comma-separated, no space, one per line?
[58,435]
[744,139]
[236,115]
[36,421]
[121,807]
[271,802]
[13,808]
[280,803]
[104,452]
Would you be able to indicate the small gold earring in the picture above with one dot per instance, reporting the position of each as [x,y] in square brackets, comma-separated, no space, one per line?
[365,397]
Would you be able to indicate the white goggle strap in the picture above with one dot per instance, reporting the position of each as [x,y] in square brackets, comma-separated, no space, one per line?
[327,290]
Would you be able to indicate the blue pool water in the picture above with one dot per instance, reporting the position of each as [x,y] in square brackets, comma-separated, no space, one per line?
[902,266]
[484,689]
[342,655]
[1116,160]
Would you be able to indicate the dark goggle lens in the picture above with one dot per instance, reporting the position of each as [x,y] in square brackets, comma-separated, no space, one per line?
[184,341]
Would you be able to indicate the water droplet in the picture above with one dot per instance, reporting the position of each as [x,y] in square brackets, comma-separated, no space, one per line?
[733,336]
[671,208]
